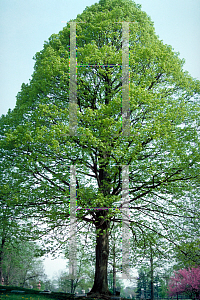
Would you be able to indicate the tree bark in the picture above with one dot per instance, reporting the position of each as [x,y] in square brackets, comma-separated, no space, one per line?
[100,285]
[114,271]
[152,275]
[1,258]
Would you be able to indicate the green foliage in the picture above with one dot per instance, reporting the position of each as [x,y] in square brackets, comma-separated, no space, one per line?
[19,265]
[85,262]
[144,282]
[187,255]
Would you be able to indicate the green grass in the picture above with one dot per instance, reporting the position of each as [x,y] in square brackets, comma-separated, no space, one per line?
[6,293]
[13,296]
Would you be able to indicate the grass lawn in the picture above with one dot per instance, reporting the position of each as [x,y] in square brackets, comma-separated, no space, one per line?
[9,296]
[16,293]
[22,297]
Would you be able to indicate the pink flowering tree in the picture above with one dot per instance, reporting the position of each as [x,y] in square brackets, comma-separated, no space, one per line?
[185,281]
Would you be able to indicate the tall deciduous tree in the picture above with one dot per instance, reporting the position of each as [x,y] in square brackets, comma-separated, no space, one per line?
[162,149]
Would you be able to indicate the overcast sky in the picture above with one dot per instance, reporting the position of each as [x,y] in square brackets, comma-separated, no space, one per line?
[26,24]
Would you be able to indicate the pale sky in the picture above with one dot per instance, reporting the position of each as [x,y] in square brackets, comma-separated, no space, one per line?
[26,24]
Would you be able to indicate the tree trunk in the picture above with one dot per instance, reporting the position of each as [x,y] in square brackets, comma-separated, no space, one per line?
[102,252]
[1,259]
[152,287]
[114,271]
[1,262]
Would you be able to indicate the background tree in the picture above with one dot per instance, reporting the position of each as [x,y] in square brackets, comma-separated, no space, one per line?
[115,259]
[21,266]
[162,149]
[49,284]
[144,282]
[63,282]
[85,261]
[17,258]
[186,281]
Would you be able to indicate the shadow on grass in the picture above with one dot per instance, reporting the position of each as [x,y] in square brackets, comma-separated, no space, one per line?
[18,292]
[35,294]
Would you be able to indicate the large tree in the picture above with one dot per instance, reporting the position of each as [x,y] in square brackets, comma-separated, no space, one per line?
[161,149]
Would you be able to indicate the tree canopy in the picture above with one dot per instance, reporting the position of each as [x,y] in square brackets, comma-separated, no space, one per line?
[161,151]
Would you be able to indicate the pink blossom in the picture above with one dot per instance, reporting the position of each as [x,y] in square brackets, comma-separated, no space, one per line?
[185,280]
